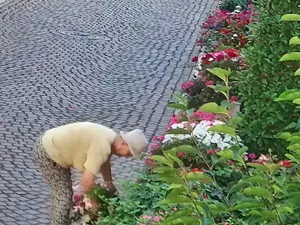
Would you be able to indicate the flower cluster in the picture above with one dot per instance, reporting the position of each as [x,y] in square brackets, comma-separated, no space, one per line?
[149,219]
[200,131]
[81,205]
[224,18]
[227,54]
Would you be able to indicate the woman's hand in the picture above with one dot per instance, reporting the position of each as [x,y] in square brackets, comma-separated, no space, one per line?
[111,187]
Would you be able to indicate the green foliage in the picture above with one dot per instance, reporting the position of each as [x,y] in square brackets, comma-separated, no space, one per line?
[137,198]
[266,78]
[262,192]
[231,4]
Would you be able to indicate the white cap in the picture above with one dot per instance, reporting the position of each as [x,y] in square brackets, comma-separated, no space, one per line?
[137,142]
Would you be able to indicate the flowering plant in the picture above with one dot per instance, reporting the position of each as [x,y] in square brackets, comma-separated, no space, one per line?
[225,28]
[83,210]
[264,190]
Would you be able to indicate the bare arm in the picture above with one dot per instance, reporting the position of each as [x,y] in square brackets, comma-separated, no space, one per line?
[106,174]
[88,180]
[106,171]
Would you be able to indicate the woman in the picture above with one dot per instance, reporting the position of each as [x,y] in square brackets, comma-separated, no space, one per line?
[87,147]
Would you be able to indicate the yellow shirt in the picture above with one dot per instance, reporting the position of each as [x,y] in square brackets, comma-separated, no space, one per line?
[82,145]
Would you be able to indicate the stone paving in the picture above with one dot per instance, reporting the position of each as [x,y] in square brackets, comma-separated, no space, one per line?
[106,61]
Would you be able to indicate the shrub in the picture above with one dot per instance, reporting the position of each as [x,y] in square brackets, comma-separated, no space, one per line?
[266,78]
[264,190]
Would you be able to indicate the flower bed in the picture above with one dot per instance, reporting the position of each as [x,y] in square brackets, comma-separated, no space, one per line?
[200,171]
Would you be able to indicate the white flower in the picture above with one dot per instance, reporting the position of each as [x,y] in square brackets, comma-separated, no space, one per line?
[235,35]
[78,209]
[87,202]
[211,59]
[200,131]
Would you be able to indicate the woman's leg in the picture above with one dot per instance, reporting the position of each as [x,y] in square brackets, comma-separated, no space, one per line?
[59,180]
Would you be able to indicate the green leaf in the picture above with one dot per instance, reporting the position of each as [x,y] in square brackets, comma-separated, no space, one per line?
[221,73]
[177,106]
[178,214]
[178,131]
[161,159]
[226,154]
[291,157]
[297,73]
[290,17]
[222,128]
[236,120]
[294,139]
[198,176]
[203,207]
[256,179]
[187,149]
[290,57]
[180,99]
[190,219]
[296,101]
[179,199]
[287,95]
[294,147]
[243,149]
[259,166]
[273,167]
[295,41]
[257,191]
[162,169]
[225,104]
[170,179]
[284,135]
[238,186]
[212,107]
[247,205]
[177,160]
[221,88]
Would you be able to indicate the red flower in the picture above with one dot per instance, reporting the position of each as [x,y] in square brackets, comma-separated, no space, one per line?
[233,99]
[204,196]
[230,162]
[180,154]
[196,170]
[150,162]
[232,53]
[225,31]
[77,197]
[208,83]
[210,152]
[195,59]
[285,163]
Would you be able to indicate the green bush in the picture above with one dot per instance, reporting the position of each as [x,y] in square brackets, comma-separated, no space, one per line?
[265,78]
[137,198]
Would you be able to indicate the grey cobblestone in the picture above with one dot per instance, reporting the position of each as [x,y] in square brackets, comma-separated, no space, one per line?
[61,61]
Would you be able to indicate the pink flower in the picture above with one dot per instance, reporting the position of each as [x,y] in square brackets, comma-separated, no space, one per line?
[208,83]
[252,156]
[154,146]
[173,120]
[233,99]
[203,78]
[158,138]
[156,218]
[150,162]
[195,59]
[210,152]
[187,85]
[180,154]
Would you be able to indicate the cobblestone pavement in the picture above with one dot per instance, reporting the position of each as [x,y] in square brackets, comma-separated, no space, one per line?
[107,61]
